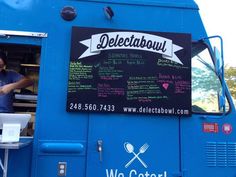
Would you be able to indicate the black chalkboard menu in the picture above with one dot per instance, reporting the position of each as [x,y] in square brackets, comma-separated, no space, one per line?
[131,72]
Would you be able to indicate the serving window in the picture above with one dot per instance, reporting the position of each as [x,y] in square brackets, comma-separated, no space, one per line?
[24,59]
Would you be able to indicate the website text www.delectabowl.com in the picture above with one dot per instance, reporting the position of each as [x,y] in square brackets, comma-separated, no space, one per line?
[150,110]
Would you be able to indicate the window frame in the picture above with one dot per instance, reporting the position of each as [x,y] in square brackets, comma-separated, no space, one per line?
[227,101]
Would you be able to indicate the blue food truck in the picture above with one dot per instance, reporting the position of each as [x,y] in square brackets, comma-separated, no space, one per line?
[121,89]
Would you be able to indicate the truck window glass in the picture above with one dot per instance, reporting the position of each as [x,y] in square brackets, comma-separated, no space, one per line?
[206,85]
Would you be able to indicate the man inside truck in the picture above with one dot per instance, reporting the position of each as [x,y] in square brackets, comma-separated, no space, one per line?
[9,81]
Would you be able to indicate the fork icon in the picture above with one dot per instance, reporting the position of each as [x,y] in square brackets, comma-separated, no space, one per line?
[130,149]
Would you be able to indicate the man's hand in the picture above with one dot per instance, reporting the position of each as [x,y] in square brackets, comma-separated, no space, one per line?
[6,89]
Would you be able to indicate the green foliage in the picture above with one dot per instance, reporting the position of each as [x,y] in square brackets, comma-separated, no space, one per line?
[230,77]
[201,79]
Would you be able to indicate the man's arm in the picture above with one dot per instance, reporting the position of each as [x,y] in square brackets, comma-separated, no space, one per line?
[22,83]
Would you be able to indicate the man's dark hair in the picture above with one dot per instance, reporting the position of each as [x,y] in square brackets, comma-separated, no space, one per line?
[3,56]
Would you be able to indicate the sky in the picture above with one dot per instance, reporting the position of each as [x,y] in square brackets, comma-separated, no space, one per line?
[218,18]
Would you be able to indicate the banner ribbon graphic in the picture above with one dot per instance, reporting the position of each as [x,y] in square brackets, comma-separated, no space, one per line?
[131,40]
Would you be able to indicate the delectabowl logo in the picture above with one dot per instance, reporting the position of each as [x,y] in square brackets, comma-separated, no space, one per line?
[130,149]
[131,40]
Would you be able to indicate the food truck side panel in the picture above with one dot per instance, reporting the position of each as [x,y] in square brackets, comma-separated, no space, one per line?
[73,138]
[52,125]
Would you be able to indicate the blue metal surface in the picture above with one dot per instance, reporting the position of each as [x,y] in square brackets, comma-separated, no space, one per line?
[215,151]
[162,137]
[20,158]
[175,147]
